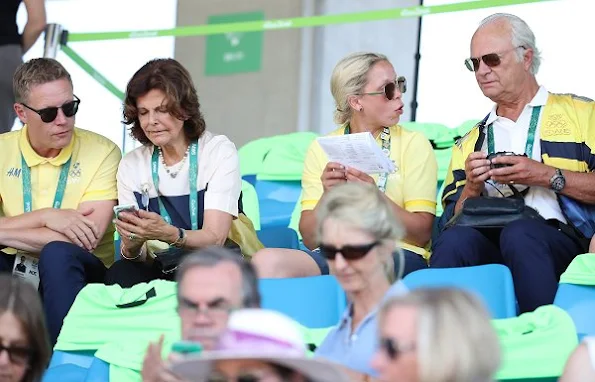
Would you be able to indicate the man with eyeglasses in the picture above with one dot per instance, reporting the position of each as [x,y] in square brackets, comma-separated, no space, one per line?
[57,190]
[534,145]
[211,284]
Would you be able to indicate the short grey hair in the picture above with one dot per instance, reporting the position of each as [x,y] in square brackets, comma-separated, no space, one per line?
[349,77]
[521,35]
[448,316]
[212,256]
[364,207]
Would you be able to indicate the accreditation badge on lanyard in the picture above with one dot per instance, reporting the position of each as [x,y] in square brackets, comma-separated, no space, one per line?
[25,268]
[26,264]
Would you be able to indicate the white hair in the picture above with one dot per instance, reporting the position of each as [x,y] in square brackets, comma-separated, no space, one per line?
[521,35]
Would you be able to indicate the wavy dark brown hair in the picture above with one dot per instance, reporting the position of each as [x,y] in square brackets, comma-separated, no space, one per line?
[169,76]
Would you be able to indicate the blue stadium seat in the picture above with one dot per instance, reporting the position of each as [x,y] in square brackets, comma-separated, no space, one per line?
[98,372]
[80,358]
[492,283]
[67,372]
[277,200]
[278,237]
[76,366]
[579,302]
[315,302]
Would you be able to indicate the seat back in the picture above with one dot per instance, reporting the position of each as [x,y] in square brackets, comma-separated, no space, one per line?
[579,302]
[492,283]
[278,237]
[315,302]
[277,200]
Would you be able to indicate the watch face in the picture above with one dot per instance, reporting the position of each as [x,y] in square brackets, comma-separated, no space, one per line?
[558,183]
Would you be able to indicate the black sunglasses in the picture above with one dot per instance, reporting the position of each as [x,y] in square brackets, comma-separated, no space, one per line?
[17,355]
[491,59]
[393,349]
[49,114]
[391,87]
[349,252]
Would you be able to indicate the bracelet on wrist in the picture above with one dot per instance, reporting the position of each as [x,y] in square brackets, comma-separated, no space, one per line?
[140,252]
[181,240]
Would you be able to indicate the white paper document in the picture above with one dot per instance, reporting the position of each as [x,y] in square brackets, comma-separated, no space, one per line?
[360,151]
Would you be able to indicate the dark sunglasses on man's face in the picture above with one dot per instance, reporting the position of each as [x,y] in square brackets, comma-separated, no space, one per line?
[391,87]
[349,252]
[49,114]
[393,349]
[16,354]
[491,59]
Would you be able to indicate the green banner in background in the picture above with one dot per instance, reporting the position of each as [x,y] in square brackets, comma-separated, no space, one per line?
[300,22]
[234,52]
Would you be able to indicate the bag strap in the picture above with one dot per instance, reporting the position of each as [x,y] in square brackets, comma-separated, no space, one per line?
[151,293]
[482,133]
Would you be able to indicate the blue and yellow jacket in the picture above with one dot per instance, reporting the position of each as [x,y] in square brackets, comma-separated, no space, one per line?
[567,139]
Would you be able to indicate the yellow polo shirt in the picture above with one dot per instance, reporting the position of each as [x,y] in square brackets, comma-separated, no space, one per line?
[92,176]
[412,186]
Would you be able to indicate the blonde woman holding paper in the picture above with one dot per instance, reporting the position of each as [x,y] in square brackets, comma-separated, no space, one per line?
[368,97]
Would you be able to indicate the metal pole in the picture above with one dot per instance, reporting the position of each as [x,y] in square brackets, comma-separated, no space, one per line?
[416,70]
[53,36]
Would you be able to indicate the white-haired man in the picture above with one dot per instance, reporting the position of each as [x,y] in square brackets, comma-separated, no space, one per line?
[552,169]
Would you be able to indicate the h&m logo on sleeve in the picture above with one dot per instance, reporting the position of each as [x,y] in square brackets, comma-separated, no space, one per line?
[14,172]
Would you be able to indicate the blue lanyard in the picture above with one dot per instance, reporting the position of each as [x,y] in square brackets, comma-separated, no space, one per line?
[60,189]
[530,134]
[193,197]
[385,137]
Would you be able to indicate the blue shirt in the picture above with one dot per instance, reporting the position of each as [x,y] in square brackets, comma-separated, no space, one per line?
[355,350]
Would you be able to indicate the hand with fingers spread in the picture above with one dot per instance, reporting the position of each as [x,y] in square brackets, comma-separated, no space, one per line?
[73,224]
[477,171]
[333,174]
[154,368]
[520,169]
[354,175]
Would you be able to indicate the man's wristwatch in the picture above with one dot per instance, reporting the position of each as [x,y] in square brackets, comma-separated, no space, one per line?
[181,240]
[557,182]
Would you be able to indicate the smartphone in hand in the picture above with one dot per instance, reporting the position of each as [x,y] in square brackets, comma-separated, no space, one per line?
[186,347]
[131,208]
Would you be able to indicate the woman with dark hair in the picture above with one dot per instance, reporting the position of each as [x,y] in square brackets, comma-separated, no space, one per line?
[24,343]
[182,188]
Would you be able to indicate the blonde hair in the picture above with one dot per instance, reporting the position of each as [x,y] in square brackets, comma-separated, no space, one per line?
[456,341]
[37,71]
[362,206]
[349,77]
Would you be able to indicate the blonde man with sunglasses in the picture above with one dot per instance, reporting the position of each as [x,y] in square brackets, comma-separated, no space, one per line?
[57,191]
[533,145]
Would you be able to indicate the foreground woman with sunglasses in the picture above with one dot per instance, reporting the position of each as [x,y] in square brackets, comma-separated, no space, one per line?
[436,335]
[24,344]
[358,232]
[368,96]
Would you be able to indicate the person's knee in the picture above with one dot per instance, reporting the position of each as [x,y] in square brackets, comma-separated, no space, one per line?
[457,246]
[518,235]
[283,263]
[53,251]
[269,263]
